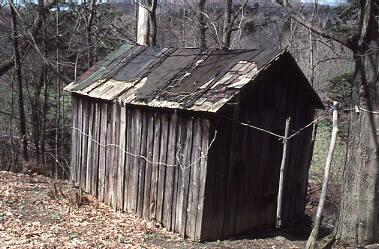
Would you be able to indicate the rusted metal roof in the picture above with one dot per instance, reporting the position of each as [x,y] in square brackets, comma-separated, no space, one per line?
[183,78]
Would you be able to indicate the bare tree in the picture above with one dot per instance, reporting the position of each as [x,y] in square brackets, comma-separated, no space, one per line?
[153,22]
[8,63]
[90,23]
[227,27]
[17,63]
[58,87]
[56,39]
[358,221]
[201,24]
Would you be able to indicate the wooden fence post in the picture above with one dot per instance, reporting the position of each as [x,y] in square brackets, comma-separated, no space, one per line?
[282,175]
[313,237]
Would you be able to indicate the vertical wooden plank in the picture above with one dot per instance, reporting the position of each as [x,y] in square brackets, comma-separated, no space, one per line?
[177,174]
[109,155]
[142,164]
[193,198]
[260,215]
[261,160]
[232,182]
[307,149]
[205,142]
[131,140]
[185,178]
[149,165]
[121,161]
[256,157]
[74,141]
[243,172]
[286,109]
[84,156]
[299,152]
[162,167]
[89,147]
[96,149]
[80,145]
[136,150]
[102,150]
[252,158]
[80,141]
[116,153]
[128,159]
[111,145]
[155,166]
[270,164]
[170,171]
[295,156]
[243,203]
[217,168]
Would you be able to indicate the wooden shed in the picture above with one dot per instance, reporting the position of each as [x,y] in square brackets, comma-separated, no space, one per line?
[168,134]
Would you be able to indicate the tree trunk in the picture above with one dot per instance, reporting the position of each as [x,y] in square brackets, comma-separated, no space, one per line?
[7,64]
[227,31]
[44,83]
[359,211]
[358,222]
[153,23]
[58,99]
[35,108]
[359,216]
[17,63]
[201,24]
[92,16]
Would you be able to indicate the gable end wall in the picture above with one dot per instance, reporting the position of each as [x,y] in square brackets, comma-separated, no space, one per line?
[243,165]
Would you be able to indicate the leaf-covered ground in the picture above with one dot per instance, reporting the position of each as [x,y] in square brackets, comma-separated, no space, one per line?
[34,214]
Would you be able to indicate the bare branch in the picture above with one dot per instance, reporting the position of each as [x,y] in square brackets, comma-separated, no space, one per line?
[9,63]
[46,60]
[6,65]
[342,39]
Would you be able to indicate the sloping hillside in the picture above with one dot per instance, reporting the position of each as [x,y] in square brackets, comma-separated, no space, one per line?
[36,213]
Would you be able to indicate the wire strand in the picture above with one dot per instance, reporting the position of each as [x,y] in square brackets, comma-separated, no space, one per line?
[277,135]
[305,127]
[203,156]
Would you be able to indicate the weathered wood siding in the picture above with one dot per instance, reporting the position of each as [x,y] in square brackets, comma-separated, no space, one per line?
[155,163]
[162,177]
[244,163]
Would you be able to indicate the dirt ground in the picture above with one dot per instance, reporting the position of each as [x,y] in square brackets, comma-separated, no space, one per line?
[34,214]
